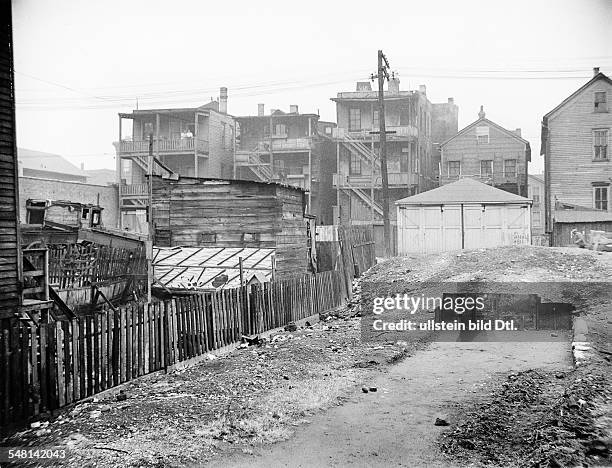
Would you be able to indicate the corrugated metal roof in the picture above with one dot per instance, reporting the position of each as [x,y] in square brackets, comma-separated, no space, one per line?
[195,268]
[463,191]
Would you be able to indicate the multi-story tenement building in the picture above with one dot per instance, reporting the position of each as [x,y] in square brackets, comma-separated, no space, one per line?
[285,147]
[192,142]
[444,124]
[488,152]
[411,168]
[575,144]
[536,193]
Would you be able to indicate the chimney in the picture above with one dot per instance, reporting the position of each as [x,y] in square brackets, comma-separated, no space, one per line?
[595,71]
[422,89]
[82,166]
[293,109]
[223,100]
[451,100]
[518,132]
[364,86]
[394,86]
[260,110]
[481,114]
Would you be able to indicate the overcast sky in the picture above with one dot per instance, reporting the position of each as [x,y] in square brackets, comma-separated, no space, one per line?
[79,62]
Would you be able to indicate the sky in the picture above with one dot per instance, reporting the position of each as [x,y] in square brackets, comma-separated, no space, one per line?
[78,63]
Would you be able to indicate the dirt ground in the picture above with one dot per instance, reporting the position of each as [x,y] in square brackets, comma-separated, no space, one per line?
[305,388]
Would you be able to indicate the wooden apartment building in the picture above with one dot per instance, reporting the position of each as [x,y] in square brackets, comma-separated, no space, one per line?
[576,138]
[412,167]
[192,142]
[488,152]
[285,147]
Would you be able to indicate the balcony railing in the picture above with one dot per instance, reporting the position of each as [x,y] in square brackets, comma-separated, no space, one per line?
[403,131]
[134,190]
[177,145]
[291,144]
[396,179]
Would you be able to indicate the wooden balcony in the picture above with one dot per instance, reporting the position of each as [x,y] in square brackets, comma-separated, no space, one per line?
[134,190]
[393,133]
[163,147]
[396,180]
[291,144]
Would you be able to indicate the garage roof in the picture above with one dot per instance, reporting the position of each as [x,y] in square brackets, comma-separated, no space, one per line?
[463,191]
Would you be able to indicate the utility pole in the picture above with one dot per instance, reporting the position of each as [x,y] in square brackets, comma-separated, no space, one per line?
[383,72]
[149,244]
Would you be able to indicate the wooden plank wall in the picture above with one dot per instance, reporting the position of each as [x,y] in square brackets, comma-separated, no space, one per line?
[562,231]
[9,216]
[46,367]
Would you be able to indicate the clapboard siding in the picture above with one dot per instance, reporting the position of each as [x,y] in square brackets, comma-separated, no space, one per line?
[570,134]
[501,146]
[188,209]
[9,253]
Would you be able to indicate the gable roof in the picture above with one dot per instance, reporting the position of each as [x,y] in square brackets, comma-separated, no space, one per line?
[40,161]
[484,120]
[463,191]
[599,76]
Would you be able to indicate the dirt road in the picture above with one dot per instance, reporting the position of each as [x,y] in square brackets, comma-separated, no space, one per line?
[394,426]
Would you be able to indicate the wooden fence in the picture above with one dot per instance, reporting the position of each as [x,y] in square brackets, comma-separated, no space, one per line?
[46,367]
[76,265]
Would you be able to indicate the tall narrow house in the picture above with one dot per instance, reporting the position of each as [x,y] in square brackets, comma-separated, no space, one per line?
[410,161]
[191,142]
[575,144]
[283,147]
[488,152]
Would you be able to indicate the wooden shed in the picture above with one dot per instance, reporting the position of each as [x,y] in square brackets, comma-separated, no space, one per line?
[584,221]
[465,214]
[197,212]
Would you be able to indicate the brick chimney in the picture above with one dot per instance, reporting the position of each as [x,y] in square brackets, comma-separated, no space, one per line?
[422,89]
[518,132]
[595,71]
[451,100]
[363,86]
[260,110]
[481,114]
[293,109]
[223,100]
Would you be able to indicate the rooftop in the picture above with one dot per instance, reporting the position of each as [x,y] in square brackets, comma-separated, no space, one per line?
[463,191]
[49,162]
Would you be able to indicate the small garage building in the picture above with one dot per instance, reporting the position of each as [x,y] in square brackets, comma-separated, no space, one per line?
[466,214]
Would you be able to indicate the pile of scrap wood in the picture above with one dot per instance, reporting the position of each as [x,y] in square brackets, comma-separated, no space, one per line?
[596,240]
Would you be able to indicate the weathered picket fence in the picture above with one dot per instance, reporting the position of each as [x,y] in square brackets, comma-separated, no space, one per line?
[45,367]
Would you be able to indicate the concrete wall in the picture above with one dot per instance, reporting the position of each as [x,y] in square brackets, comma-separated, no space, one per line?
[49,189]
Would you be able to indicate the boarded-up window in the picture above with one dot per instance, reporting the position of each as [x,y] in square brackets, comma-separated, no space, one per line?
[208,238]
[600,197]
[600,102]
[600,144]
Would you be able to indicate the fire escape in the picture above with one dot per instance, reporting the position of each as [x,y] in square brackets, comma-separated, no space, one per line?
[252,159]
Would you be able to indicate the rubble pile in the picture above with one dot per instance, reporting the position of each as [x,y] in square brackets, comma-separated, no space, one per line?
[534,419]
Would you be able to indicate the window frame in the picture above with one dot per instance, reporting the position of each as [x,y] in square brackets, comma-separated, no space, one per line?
[604,189]
[606,139]
[353,119]
[375,120]
[355,168]
[490,161]
[515,167]
[448,168]
[604,107]
[481,133]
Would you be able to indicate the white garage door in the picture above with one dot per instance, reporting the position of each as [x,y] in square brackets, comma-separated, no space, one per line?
[427,229]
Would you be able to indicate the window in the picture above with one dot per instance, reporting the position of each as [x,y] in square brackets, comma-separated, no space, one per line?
[35,212]
[600,145]
[354,120]
[600,102]
[280,130]
[482,135]
[405,159]
[355,164]
[95,218]
[375,120]
[486,168]
[536,198]
[600,198]
[454,168]
[250,237]
[510,167]
[208,237]
[416,167]
[85,213]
